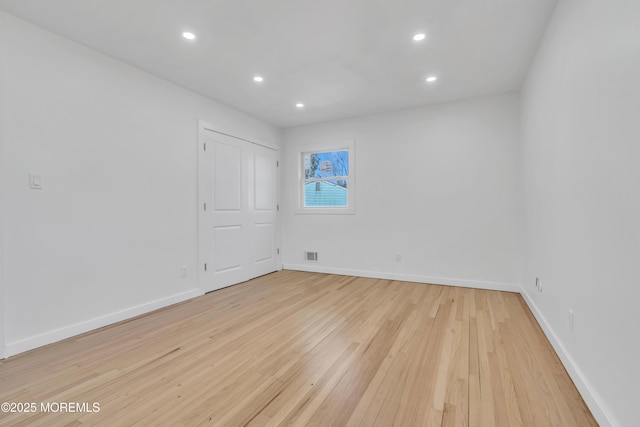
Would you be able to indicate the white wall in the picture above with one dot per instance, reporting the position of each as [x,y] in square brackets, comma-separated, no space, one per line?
[581,106]
[117,217]
[440,184]
[2,180]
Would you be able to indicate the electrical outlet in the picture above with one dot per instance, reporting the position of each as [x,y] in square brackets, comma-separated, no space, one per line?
[538,284]
[398,256]
[570,320]
[35,181]
[184,272]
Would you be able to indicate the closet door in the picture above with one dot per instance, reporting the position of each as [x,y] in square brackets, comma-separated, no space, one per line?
[239,211]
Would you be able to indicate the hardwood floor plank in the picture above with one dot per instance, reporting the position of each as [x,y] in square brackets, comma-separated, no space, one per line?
[456,406]
[307,349]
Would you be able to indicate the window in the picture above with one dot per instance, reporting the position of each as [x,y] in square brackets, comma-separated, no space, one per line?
[327,180]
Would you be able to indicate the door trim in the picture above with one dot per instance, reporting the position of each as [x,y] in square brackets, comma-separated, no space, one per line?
[204,126]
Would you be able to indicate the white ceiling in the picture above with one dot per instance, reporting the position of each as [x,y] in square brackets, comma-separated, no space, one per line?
[341,58]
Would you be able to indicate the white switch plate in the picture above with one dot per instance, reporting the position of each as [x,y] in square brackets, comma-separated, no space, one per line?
[183,271]
[35,181]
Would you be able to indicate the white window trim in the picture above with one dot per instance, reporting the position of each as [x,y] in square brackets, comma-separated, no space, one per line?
[349,145]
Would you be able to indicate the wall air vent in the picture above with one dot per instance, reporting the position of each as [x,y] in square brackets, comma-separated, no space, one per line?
[311,256]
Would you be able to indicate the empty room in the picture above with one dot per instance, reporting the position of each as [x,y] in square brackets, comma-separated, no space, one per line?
[319,213]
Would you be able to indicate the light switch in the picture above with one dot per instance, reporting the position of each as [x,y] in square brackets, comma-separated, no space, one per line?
[35,181]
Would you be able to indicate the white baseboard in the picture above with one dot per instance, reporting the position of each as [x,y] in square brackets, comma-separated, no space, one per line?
[60,334]
[590,396]
[447,281]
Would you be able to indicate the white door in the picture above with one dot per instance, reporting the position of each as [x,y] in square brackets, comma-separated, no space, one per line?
[238,210]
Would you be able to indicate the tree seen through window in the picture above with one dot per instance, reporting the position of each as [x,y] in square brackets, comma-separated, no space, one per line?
[326,176]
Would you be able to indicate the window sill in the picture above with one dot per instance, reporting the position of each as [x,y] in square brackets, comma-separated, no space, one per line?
[325,211]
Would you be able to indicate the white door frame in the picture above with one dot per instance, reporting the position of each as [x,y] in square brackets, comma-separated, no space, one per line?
[205,252]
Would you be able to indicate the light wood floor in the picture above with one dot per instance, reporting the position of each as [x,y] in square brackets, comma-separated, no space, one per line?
[308,349]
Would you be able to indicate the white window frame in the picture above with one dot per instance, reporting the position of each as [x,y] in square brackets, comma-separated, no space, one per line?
[350,209]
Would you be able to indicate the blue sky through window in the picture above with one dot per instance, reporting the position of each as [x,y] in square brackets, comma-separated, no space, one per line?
[326,164]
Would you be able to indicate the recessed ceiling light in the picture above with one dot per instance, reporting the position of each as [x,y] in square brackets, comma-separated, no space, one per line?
[189,36]
[258,79]
[418,37]
[431,79]
[300,105]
